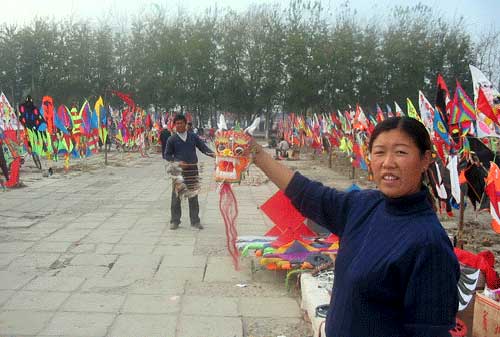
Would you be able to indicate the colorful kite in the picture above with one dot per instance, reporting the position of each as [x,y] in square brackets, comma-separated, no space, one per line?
[232,151]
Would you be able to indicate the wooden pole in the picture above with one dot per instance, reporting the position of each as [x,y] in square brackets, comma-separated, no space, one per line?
[106,150]
[460,231]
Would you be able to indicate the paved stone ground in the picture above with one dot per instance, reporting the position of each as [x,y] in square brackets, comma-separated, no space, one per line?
[90,253]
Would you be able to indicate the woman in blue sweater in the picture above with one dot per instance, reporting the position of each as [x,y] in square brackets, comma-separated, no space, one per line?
[395,273]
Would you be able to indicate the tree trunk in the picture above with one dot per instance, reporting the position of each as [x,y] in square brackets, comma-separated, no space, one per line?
[268,124]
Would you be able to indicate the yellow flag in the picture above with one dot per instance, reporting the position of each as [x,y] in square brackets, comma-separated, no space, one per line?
[412,112]
[97,108]
[119,136]
[103,134]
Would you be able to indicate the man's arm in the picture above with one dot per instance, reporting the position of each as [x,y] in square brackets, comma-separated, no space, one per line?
[202,146]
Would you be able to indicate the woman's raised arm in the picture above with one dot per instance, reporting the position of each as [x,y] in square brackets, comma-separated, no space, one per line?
[278,173]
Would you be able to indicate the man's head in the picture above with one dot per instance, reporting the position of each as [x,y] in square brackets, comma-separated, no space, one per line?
[190,126]
[180,123]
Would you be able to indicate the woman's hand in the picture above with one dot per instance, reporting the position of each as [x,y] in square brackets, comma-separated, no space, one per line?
[255,149]
[278,173]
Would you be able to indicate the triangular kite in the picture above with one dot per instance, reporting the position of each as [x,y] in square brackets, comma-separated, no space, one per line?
[285,217]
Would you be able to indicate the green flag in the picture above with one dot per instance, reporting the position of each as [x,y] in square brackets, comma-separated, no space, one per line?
[412,112]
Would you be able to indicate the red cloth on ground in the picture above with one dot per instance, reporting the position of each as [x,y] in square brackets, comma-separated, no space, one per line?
[484,261]
[14,173]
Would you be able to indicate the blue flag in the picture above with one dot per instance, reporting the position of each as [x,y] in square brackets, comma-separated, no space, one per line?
[440,128]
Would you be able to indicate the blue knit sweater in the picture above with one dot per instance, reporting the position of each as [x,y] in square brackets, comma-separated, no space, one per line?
[395,273]
[179,150]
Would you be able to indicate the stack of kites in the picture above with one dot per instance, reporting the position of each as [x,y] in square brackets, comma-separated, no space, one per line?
[290,244]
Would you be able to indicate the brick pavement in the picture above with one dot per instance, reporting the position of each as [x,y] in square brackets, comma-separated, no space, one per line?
[91,254]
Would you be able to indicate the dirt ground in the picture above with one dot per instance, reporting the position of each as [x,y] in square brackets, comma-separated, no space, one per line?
[29,172]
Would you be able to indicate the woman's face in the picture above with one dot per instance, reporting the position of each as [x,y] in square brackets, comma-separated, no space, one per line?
[397,164]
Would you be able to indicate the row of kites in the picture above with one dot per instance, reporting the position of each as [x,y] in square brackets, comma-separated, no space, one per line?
[73,132]
[449,117]
[462,130]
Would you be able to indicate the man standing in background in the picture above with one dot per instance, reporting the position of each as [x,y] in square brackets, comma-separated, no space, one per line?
[181,149]
[164,135]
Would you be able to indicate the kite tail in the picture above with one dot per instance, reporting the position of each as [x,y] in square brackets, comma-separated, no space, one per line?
[229,210]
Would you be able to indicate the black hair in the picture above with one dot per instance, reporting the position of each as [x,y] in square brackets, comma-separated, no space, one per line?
[410,126]
[180,118]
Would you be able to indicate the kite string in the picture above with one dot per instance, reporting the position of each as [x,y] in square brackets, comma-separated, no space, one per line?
[229,211]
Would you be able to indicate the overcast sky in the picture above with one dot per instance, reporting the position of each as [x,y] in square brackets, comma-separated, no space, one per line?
[480,15]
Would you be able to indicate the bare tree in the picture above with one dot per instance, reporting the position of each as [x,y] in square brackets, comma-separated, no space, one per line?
[488,55]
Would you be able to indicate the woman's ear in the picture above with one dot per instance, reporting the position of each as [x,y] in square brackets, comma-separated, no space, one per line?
[370,171]
[426,160]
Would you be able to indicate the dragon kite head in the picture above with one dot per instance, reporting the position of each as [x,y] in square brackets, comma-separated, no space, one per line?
[232,155]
